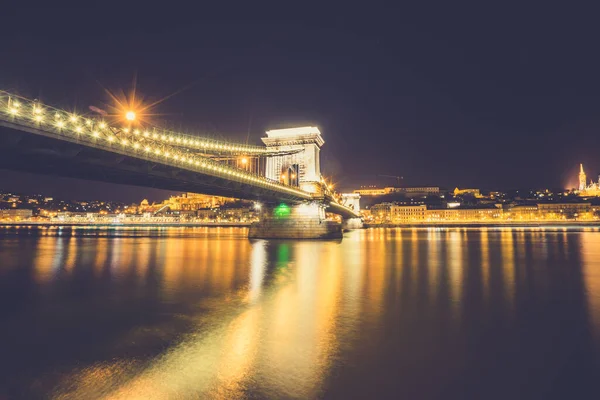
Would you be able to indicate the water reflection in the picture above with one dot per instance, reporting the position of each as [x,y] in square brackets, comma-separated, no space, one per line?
[209,314]
[456,269]
[590,253]
[485,263]
[508,265]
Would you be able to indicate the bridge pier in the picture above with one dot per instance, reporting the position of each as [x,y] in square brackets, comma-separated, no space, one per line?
[294,221]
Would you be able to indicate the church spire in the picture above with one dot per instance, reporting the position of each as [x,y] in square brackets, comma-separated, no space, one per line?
[582,178]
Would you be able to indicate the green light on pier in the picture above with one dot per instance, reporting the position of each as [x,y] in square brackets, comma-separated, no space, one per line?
[282,211]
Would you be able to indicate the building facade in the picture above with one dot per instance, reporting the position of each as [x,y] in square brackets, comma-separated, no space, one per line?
[420,191]
[394,213]
[558,211]
[414,191]
[408,214]
[16,214]
[374,191]
[461,192]
[474,214]
[524,212]
[381,213]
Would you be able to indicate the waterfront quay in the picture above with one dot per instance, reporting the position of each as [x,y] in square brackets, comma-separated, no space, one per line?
[483,224]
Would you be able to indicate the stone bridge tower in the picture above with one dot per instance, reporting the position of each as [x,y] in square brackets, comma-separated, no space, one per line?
[299,164]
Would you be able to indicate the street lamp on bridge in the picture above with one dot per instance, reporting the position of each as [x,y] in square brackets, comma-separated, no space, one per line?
[130,115]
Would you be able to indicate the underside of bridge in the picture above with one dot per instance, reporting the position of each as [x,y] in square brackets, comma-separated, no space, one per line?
[24,151]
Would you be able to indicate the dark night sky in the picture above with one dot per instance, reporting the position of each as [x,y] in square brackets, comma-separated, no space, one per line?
[491,97]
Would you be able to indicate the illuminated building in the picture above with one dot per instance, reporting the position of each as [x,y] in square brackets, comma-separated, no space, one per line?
[523,212]
[372,192]
[593,189]
[381,212]
[244,214]
[15,214]
[185,202]
[401,213]
[565,210]
[420,190]
[464,214]
[474,192]
[415,191]
[239,214]
[208,214]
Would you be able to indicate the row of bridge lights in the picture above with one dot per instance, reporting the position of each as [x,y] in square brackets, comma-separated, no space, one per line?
[38,116]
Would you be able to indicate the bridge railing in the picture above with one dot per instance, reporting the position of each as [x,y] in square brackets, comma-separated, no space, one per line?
[167,136]
[204,144]
[147,145]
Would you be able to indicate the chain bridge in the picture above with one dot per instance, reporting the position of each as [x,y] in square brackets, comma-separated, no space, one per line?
[283,175]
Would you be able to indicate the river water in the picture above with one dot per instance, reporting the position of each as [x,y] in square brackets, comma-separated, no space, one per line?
[418,313]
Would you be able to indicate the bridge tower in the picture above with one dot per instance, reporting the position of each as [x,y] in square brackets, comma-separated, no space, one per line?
[299,162]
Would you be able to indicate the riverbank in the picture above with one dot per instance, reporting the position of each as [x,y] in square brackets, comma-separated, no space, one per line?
[488,224]
[128,224]
[366,225]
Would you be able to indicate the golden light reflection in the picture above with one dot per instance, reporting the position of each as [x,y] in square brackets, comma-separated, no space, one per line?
[485,262]
[173,266]
[435,258]
[258,264]
[352,273]
[101,256]
[72,253]
[311,302]
[277,315]
[299,308]
[590,255]
[414,241]
[375,256]
[239,350]
[399,259]
[508,266]
[59,255]
[455,270]
[521,254]
[43,259]
[142,257]
[115,254]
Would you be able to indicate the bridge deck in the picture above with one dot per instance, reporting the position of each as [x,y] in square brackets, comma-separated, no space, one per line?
[21,149]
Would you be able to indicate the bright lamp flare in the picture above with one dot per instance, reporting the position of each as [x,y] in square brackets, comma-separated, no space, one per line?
[130,115]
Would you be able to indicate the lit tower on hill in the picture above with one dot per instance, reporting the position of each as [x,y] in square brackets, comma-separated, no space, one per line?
[582,178]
